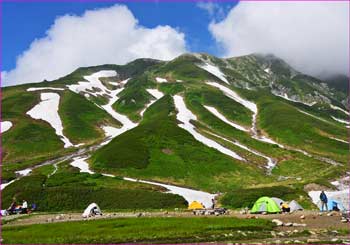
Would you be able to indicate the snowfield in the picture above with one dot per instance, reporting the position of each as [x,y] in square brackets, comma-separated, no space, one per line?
[340,109]
[2,186]
[318,118]
[93,84]
[44,88]
[224,119]
[47,110]
[250,106]
[233,95]
[125,121]
[189,195]
[161,80]
[185,116]
[215,71]
[24,172]
[156,94]
[341,120]
[340,140]
[79,162]
[5,125]
[286,97]
[341,195]
[270,162]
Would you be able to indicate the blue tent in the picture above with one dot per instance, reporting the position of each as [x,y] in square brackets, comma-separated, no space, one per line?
[333,204]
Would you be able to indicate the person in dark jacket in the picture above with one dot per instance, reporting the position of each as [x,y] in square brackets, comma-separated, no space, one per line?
[324,201]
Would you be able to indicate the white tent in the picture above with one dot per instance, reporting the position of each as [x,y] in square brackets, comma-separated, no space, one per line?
[277,200]
[294,206]
[89,210]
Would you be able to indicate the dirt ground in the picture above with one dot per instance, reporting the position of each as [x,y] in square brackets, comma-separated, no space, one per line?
[312,219]
[319,227]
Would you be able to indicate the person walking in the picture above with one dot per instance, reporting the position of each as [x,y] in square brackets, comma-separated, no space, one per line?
[324,201]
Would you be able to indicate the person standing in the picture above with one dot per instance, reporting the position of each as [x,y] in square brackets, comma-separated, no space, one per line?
[324,201]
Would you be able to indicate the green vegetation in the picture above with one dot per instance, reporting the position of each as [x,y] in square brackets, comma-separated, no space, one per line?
[82,119]
[134,97]
[247,197]
[28,139]
[68,190]
[158,149]
[140,230]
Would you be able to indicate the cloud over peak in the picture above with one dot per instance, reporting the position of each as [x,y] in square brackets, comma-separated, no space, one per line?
[102,36]
[311,36]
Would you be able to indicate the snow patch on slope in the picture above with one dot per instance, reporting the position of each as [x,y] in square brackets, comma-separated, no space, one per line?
[340,140]
[271,163]
[161,80]
[224,119]
[156,94]
[341,120]
[5,125]
[286,97]
[339,109]
[44,88]
[79,162]
[247,104]
[185,116]
[189,195]
[47,110]
[215,71]
[93,84]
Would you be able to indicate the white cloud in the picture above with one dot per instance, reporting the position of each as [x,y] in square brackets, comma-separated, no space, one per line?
[103,36]
[311,36]
[214,10]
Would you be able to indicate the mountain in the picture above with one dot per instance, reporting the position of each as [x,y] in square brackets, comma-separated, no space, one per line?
[251,125]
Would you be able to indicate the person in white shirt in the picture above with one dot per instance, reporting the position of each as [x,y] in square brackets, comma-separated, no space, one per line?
[24,207]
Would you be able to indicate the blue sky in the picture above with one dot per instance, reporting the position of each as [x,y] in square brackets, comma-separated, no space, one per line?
[47,40]
[25,22]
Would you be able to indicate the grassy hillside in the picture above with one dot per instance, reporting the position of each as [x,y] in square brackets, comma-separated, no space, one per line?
[68,189]
[158,149]
[82,119]
[140,230]
[28,139]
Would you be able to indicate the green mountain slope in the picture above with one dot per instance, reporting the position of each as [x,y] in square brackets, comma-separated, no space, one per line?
[250,123]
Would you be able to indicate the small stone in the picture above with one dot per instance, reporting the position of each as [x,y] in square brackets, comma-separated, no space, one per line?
[273,234]
[344,220]
[277,222]
[302,217]
[312,240]
[282,234]
[288,224]
[312,233]
[277,241]
[297,241]
[334,240]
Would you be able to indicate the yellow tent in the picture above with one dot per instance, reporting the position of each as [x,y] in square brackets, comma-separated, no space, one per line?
[195,205]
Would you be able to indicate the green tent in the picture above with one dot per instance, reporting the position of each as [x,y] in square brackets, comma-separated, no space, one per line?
[265,204]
